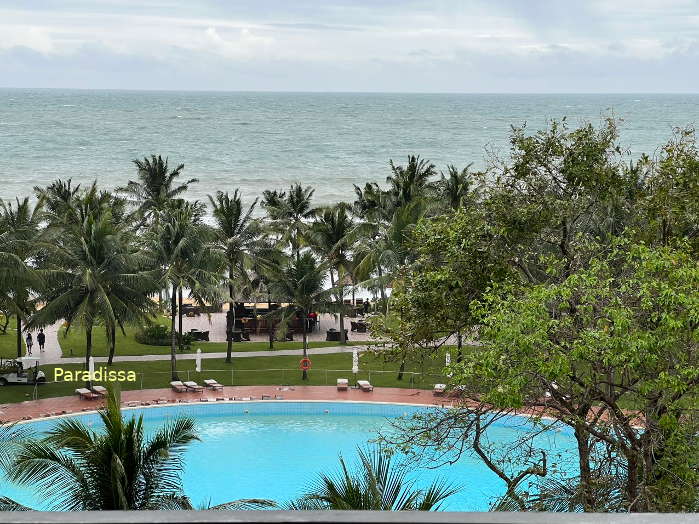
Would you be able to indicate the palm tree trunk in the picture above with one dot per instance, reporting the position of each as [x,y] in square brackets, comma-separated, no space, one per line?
[7,317]
[382,289]
[269,323]
[343,338]
[19,336]
[401,369]
[305,345]
[230,319]
[88,352]
[179,314]
[459,345]
[111,333]
[173,333]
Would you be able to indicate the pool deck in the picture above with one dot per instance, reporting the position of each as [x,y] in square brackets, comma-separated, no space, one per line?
[50,407]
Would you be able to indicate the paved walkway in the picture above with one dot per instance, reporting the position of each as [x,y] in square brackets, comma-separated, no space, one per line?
[192,356]
[148,397]
[52,352]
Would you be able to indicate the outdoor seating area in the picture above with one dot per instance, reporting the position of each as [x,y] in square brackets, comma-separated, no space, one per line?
[86,394]
[359,326]
[212,384]
[177,386]
[333,335]
[99,390]
[202,336]
[364,385]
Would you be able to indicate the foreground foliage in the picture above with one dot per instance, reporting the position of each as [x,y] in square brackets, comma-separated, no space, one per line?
[375,483]
[118,468]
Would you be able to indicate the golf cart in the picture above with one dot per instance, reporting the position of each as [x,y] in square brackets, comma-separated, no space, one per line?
[24,370]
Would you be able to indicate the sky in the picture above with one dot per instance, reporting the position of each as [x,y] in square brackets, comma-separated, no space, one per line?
[491,46]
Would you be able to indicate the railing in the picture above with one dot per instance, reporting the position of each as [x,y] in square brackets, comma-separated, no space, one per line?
[341,517]
[260,377]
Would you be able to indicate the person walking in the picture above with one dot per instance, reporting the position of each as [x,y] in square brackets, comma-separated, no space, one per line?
[366,306]
[30,342]
[41,339]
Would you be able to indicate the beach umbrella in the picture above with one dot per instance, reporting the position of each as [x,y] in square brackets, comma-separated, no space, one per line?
[355,361]
[91,369]
[198,360]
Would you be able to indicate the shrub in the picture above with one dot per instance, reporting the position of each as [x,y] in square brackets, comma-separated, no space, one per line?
[159,335]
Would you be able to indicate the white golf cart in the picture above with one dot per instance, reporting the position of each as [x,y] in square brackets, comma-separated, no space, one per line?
[21,371]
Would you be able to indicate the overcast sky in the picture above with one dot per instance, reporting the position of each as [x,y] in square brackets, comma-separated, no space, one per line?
[352,45]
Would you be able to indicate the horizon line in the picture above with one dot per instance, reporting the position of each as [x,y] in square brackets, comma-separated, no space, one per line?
[319,92]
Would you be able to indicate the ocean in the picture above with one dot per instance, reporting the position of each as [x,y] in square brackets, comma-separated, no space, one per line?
[256,141]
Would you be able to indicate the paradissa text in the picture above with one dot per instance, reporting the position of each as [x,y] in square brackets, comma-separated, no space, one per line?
[102,374]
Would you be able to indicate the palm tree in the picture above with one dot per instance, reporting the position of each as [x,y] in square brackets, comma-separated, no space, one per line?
[10,436]
[95,277]
[182,247]
[411,182]
[57,197]
[289,214]
[383,247]
[375,483]
[117,468]
[156,186]
[237,235]
[300,282]
[20,237]
[331,238]
[457,188]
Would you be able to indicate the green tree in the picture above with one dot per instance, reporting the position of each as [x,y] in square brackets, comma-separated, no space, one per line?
[182,247]
[20,240]
[671,206]
[289,214]
[331,238]
[156,186]
[457,259]
[458,188]
[410,182]
[375,483]
[237,235]
[300,283]
[117,468]
[610,350]
[95,276]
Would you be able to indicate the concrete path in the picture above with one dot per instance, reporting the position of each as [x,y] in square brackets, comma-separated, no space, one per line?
[52,349]
[236,354]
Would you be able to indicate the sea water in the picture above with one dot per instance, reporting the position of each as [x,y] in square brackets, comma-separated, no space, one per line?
[254,141]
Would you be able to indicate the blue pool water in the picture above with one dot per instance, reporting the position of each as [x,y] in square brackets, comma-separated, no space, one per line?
[275,449]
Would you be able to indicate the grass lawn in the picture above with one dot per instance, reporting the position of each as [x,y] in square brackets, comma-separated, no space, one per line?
[8,344]
[245,371]
[73,345]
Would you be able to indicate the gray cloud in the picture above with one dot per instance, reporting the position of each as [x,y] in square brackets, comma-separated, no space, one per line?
[344,45]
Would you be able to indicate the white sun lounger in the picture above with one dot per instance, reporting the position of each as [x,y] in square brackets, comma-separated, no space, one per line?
[193,386]
[86,394]
[178,386]
[364,385]
[439,389]
[342,384]
[100,390]
[212,384]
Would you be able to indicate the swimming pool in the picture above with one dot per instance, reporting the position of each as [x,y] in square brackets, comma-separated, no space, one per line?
[274,449]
